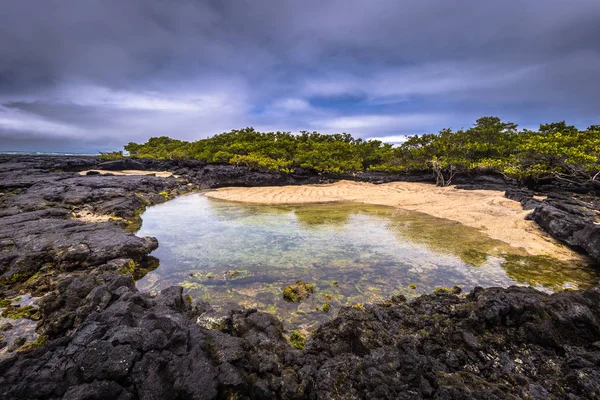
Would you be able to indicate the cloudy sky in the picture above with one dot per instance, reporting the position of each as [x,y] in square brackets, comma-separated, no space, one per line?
[92,75]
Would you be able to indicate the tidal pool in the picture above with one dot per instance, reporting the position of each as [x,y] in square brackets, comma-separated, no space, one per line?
[226,252]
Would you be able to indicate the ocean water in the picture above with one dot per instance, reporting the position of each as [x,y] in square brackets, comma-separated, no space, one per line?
[47,153]
[225,252]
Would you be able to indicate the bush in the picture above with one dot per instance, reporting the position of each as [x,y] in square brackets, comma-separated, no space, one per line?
[556,150]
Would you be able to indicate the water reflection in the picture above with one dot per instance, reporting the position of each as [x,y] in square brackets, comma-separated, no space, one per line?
[226,252]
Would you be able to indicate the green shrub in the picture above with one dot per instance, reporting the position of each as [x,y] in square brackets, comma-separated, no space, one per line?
[556,150]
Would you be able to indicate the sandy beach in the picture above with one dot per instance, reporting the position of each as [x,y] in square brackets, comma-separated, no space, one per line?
[487,210]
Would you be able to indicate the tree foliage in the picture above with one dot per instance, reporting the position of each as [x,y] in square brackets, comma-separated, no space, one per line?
[556,150]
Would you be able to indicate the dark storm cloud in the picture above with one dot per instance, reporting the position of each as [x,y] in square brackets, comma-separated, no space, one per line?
[82,70]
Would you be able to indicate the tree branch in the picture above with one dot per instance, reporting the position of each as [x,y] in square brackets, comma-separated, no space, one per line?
[557,176]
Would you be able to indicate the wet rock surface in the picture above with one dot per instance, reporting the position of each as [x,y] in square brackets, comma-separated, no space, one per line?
[38,208]
[572,218]
[105,340]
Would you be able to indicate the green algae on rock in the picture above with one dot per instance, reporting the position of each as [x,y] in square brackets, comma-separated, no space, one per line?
[5,303]
[546,271]
[36,344]
[445,290]
[297,340]
[297,292]
[16,312]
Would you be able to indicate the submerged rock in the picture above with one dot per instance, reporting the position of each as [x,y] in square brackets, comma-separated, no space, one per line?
[297,292]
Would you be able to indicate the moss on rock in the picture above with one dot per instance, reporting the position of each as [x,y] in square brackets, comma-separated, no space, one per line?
[16,278]
[297,292]
[5,303]
[30,346]
[16,312]
[297,340]
[444,290]
[165,195]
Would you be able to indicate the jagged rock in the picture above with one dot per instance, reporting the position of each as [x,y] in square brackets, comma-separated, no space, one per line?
[498,343]
[40,237]
[523,196]
[5,326]
[107,340]
[565,217]
[482,182]
[571,228]
[217,320]
[122,164]
[37,228]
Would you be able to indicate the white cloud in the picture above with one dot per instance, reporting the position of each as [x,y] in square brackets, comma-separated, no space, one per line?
[98,96]
[122,115]
[21,121]
[373,124]
[433,79]
[292,104]
[396,139]
[334,85]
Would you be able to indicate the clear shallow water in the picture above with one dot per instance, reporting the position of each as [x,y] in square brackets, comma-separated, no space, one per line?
[227,252]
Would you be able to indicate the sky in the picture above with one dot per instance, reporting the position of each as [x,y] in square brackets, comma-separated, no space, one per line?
[90,75]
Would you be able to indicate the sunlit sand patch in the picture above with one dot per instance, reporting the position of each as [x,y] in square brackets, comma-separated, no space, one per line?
[87,216]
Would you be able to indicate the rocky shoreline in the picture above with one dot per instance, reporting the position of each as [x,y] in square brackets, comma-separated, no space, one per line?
[104,339]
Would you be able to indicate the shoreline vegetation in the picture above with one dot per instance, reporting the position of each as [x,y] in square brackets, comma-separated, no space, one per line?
[555,151]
